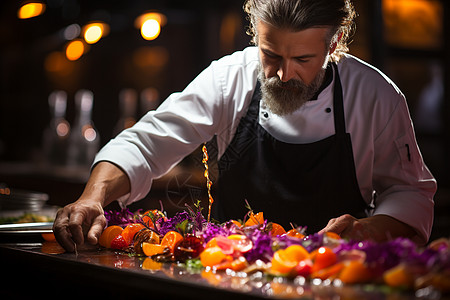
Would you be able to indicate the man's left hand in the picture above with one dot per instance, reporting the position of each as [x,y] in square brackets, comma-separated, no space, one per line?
[377,228]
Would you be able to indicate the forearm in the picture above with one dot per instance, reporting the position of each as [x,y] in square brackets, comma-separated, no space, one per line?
[106,184]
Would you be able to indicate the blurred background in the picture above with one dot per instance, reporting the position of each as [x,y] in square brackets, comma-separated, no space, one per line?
[74,73]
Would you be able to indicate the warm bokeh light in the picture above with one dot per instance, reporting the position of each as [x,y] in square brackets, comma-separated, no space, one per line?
[159,17]
[151,29]
[63,129]
[31,10]
[154,58]
[72,32]
[93,32]
[54,62]
[75,50]
[231,24]
[413,23]
[150,24]
[89,133]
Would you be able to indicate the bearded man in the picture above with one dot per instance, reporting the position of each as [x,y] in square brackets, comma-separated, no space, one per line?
[305,132]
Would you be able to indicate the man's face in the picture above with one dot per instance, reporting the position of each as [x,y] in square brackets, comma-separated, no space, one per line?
[292,65]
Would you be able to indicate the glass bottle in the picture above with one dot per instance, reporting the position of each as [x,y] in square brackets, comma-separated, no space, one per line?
[149,100]
[127,110]
[84,141]
[55,137]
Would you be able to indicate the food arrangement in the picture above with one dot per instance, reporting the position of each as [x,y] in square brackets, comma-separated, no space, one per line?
[258,245]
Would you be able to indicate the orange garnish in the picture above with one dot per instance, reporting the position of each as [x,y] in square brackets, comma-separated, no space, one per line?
[171,239]
[285,260]
[277,229]
[398,276]
[333,235]
[150,249]
[255,219]
[355,271]
[211,243]
[129,231]
[236,223]
[147,220]
[330,272]
[108,235]
[295,233]
[213,256]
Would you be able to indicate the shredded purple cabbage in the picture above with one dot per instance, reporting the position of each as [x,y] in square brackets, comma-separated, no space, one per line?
[262,246]
[401,250]
[164,226]
[313,241]
[122,218]
[211,230]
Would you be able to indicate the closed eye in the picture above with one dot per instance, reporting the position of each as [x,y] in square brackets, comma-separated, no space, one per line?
[270,54]
[304,58]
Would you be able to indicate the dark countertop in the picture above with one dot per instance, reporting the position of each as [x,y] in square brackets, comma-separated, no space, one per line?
[41,268]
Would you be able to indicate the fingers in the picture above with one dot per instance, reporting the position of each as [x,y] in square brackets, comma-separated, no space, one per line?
[349,227]
[339,225]
[61,230]
[76,221]
[96,229]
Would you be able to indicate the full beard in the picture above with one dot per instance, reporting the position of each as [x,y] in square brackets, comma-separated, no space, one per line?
[283,98]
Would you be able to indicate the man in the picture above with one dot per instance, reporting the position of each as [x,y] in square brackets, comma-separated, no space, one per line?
[305,132]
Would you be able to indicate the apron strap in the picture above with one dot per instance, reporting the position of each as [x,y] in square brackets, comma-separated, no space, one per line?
[338,104]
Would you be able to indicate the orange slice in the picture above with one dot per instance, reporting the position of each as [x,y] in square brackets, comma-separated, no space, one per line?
[295,233]
[171,239]
[108,235]
[212,256]
[150,249]
[277,229]
[398,276]
[355,271]
[255,219]
[129,231]
[284,261]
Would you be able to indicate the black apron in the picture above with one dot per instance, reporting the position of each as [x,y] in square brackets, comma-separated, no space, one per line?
[303,184]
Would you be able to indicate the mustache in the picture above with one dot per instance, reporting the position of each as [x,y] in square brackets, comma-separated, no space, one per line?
[276,83]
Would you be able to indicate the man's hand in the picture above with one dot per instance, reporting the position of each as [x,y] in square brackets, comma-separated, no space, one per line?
[84,219]
[377,228]
[77,222]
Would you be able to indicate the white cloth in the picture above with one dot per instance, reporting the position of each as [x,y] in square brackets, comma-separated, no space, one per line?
[387,158]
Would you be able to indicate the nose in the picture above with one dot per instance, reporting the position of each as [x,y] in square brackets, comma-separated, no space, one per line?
[285,71]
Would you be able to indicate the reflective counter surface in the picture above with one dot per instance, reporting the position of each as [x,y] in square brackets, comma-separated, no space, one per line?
[43,267]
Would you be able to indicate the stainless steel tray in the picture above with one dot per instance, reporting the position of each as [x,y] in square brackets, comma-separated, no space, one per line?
[27,228]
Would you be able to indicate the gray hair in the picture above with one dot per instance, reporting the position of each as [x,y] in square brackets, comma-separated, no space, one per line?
[298,15]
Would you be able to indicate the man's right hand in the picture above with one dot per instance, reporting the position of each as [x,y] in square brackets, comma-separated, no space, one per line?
[78,222]
[84,220]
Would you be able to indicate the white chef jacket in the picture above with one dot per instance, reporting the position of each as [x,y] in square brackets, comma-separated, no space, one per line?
[387,158]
